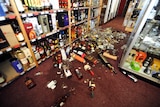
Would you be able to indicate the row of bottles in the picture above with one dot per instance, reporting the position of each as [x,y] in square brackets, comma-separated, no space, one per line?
[48,46]
[79,15]
[77,31]
[94,12]
[79,3]
[36,5]
[63,3]
[21,59]
[36,25]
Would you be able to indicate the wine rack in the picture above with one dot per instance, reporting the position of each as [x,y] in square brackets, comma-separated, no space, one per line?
[50,23]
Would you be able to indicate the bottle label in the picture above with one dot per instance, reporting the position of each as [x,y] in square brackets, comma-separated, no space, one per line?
[37,55]
[41,51]
[52,47]
[24,61]
[19,66]
[20,37]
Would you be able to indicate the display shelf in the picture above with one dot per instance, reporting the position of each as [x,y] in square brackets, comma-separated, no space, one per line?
[9,48]
[140,73]
[79,8]
[142,50]
[10,73]
[9,15]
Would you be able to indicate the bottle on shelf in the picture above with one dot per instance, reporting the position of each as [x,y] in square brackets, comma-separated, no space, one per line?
[55,4]
[43,19]
[41,50]
[62,19]
[36,53]
[21,56]
[35,23]
[47,5]
[28,54]
[47,48]
[19,6]
[18,32]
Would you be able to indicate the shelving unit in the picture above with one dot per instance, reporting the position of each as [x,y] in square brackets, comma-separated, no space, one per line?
[6,67]
[141,57]
[132,14]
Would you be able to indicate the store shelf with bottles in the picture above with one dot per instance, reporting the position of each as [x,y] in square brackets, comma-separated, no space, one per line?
[13,64]
[79,16]
[132,14]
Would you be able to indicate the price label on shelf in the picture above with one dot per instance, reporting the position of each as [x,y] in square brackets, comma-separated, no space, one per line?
[23,15]
[2,18]
[39,38]
[33,40]
[22,73]
[48,34]
[30,14]
[42,12]
[46,12]
[8,49]
[24,43]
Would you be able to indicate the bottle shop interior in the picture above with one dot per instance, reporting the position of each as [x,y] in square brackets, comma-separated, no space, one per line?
[74,53]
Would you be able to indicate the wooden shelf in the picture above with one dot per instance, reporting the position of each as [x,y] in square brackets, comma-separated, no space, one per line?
[8,70]
[10,73]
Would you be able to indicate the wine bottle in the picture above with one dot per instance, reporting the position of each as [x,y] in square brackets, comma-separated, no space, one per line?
[78,74]
[47,48]
[41,51]
[62,100]
[29,82]
[18,33]
[107,63]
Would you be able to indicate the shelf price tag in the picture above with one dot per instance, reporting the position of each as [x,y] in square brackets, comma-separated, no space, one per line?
[42,12]
[30,14]
[48,34]
[24,43]
[22,73]
[8,49]
[33,40]
[23,15]
[39,38]
[2,18]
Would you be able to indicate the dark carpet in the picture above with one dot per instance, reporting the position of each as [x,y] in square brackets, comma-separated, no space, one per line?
[112,90]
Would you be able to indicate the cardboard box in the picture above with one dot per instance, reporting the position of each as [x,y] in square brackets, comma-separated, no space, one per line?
[43,19]
[9,35]
[29,30]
